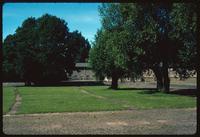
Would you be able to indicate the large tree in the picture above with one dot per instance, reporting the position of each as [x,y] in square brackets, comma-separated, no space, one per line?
[42,51]
[156,38]
[175,43]
[111,55]
[167,35]
[154,28]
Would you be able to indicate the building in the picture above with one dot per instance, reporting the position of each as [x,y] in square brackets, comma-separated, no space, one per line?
[83,72]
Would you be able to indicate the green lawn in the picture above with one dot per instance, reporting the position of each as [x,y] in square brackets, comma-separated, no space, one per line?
[8,98]
[144,99]
[96,98]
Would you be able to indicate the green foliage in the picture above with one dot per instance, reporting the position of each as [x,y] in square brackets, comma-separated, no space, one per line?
[97,55]
[144,36]
[26,36]
[43,50]
[80,46]
[110,16]
[111,54]
[184,22]
[153,25]
[52,32]
[9,58]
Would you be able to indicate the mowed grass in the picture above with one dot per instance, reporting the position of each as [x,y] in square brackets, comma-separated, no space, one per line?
[8,98]
[60,99]
[95,98]
[144,99]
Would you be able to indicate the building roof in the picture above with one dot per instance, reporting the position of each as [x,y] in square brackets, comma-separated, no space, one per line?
[81,65]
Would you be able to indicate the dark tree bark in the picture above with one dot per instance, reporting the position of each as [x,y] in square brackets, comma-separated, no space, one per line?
[159,77]
[162,77]
[165,55]
[114,84]
[166,80]
[27,83]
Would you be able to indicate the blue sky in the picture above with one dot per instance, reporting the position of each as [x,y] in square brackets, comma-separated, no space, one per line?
[83,17]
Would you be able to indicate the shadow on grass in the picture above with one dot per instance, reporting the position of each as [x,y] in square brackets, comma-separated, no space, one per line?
[68,83]
[143,90]
[149,89]
[184,92]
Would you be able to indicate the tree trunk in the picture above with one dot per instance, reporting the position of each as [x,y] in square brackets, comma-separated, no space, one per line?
[27,83]
[159,82]
[159,77]
[166,80]
[114,84]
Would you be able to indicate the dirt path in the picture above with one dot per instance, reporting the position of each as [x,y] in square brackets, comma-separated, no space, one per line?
[152,121]
[102,97]
[88,93]
[17,103]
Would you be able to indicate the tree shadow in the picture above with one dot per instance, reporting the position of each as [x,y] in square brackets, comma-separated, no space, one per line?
[68,83]
[143,90]
[185,92]
[149,89]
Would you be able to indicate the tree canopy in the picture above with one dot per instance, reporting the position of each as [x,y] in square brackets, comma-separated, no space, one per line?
[43,50]
[155,36]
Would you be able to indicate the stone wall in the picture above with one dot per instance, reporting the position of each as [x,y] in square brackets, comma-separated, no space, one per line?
[88,74]
[83,75]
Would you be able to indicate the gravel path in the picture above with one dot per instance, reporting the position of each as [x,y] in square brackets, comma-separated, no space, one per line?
[152,121]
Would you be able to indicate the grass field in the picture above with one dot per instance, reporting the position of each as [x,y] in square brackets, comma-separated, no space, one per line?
[90,98]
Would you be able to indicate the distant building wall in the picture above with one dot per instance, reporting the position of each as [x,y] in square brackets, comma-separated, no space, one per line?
[83,75]
[172,74]
[149,76]
[85,72]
